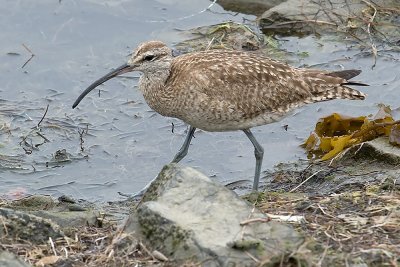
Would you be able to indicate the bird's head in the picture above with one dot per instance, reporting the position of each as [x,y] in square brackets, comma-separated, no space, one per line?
[150,57]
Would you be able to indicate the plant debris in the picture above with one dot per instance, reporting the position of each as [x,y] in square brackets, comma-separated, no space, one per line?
[91,246]
[349,214]
[335,133]
[351,227]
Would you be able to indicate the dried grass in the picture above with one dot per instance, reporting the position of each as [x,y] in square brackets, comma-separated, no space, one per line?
[351,227]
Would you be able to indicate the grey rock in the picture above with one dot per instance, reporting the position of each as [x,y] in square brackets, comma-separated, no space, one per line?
[70,219]
[27,226]
[8,259]
[34,202]
[378,149]
[310,16]
[186,216]
[253,7]
[64,213]
[371,163]
[305,10]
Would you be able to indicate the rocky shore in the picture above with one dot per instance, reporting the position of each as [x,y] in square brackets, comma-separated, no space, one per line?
[307,213]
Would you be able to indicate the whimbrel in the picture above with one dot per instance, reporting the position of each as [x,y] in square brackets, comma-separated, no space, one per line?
[221,90]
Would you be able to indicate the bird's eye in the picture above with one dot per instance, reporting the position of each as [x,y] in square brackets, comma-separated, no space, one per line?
[149,58]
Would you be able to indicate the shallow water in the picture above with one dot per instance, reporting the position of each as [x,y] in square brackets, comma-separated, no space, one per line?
[76,42]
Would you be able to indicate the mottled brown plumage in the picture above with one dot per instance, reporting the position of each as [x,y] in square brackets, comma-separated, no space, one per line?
[220,90]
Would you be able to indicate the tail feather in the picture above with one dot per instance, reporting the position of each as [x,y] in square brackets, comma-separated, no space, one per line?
[347,75]
[354,83]
[350,93]
[333,85]
[338,92]
[344,74]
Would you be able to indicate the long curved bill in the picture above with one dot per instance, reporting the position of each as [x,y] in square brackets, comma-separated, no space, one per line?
[118,71]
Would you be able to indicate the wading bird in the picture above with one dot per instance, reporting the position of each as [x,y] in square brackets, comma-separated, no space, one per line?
[221,90]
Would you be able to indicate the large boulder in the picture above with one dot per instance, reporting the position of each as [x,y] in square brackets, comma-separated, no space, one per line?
[306,17]
[37,230]
[186,216]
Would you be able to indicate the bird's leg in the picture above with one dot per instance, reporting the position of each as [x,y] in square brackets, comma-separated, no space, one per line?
[185,147]
[259,153]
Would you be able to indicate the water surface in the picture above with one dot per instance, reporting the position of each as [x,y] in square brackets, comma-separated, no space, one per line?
[126,145]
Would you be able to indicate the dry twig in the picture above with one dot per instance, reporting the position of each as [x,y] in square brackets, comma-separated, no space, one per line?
[254,220]
[370,22]
[44,115]
[52,246]
[32,55]
[305,21]
[81,133]
[297,187]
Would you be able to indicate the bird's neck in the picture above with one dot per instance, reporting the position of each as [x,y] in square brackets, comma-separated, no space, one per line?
[153,81]
[152,85]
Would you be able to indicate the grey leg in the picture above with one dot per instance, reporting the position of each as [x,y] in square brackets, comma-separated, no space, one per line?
[185,147]
[259,153]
